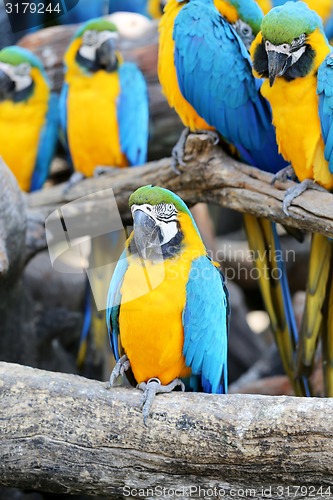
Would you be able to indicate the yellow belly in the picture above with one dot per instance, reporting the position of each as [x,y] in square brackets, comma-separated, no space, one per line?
[93,132]
[167,72]
[20,129]
[295,116]
[151,329]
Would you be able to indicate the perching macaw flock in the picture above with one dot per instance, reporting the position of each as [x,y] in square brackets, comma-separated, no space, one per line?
[255,75]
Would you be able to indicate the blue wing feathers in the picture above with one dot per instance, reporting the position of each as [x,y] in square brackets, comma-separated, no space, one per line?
[133,114]
[113,303]
[47,145]
[222,89]
[205,320]
[325,91]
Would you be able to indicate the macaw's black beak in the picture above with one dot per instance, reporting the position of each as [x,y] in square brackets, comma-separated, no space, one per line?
[7,86]
[106,57]
[147,235]
[277,64]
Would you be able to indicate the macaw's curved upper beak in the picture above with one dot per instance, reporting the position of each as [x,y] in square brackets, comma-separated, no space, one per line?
[147,234]
[7,86]
[277,64]
[105,55]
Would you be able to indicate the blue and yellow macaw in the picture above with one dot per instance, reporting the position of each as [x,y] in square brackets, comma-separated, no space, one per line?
[213,72]
[148,8]
[167,308]
[103,103]
[104,116]
[292,53]
[28,117]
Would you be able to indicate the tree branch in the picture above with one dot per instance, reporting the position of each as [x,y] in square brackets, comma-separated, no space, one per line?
[210,176]
[64,433]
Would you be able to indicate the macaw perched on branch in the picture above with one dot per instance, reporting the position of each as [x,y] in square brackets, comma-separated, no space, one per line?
[28,117]
[104,115]
[213,73]
[292,53]
[167,309]
[104,102]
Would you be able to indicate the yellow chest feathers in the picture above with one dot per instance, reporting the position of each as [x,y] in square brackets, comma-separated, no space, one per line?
[296,118]
[21,124]
[150,320]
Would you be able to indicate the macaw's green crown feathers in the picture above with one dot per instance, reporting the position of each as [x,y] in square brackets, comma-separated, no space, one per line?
[15,55]
[154,195]
[98,24]
[249,12]
[285,23]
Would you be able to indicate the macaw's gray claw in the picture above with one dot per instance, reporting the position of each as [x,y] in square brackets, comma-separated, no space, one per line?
[178,151]
[121,367]
[284,174]
[150,389]
[297,190]
[214,136]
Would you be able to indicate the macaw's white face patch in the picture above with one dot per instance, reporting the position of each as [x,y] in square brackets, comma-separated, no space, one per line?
[92,40]
[165,217]
[20,74]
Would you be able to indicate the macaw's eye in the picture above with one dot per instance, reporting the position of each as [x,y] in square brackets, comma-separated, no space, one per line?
[246,31]
[90,37]
[23,69]
[285,46]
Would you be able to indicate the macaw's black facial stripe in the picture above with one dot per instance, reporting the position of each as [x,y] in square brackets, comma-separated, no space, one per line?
[24,94]
[303,66]
[260,60]
[94,66]
[299,69]
[173,247]
[167,218]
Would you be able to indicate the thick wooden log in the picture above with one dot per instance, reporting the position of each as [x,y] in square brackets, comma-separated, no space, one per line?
[209,176]
[64,433]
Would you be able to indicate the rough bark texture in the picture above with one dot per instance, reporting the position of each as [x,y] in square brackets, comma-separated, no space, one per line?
[64,433]
[209,176]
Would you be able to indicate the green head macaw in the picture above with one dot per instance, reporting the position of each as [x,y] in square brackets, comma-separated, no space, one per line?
[28,117]
[214,75]
[104,103]
[167,309]
[293,55]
